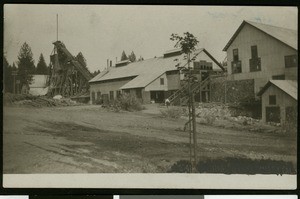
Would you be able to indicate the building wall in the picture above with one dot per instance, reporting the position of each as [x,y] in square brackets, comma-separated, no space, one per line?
[173,81]
[105,87]
[204,56]
[283,100]
[270,50]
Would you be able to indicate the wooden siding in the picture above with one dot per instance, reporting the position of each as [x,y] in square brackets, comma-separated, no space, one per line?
[270,50]
[173,81]
[156,86]
[283,100]
[105,87]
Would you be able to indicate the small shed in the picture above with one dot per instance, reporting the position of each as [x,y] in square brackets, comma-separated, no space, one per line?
[279,101]
[38,86]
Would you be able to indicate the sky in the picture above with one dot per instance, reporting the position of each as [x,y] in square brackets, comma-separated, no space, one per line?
[102,32]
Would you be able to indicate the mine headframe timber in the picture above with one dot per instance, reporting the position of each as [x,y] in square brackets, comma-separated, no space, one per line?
[68,76]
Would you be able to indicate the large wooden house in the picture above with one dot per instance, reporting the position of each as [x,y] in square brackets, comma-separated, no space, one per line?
[261,52]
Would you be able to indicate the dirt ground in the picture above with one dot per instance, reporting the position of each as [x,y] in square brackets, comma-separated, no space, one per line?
[91,139]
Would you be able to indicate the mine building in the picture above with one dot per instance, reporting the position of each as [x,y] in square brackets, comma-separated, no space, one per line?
[152,80]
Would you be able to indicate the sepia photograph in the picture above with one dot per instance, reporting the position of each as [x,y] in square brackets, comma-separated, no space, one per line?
[160,91]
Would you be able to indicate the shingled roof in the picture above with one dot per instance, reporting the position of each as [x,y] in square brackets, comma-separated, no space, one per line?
[284,35]
[143,72]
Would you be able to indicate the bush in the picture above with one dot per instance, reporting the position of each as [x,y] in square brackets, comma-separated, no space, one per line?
[172,112]
[127,102]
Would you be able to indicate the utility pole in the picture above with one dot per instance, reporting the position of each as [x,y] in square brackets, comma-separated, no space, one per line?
[190,112]
[56,27]
[192,115]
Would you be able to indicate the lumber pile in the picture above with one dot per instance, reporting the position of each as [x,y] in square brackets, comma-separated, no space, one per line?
[36,101]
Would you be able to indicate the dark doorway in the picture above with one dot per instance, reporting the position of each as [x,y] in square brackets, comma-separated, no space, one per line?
[273,114]
[138,93]
[157,96]
[93,98]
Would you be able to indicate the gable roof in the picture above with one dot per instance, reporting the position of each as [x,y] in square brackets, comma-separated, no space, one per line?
[144,72]
[284,35]
[290,87]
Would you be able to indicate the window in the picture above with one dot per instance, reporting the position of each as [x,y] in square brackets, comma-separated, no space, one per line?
[111,95]
[254,62]
[162,81]
[118,94]
[291,61]
[138,93]
[235,55]
[98,95]
[272,99]
[254,53]
[236,67]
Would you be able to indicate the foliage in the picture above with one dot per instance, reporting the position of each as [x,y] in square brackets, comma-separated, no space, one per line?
[187,43]
[41,67]
[79,57]
[172,112]
[96,72]
[8,78]
[132,57]
[127,102]
[124,56]
[25,65]
[233,165]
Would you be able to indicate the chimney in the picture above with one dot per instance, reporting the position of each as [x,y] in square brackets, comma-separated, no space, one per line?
[110,63]
[107,63]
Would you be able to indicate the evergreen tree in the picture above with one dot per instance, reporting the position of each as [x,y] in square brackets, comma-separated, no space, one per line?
[25,65]
[124,56]
[132,57]
[7,79]
[96,72]
[41,67]
[81,59]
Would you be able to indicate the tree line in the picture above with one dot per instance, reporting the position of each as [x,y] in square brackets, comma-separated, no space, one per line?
[130,57]
[25,68]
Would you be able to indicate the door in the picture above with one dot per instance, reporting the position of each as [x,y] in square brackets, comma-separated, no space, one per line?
[273,114]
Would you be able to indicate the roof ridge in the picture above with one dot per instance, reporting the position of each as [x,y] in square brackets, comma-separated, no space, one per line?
[248,21]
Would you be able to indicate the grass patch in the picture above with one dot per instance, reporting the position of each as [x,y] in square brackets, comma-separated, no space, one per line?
[236,166]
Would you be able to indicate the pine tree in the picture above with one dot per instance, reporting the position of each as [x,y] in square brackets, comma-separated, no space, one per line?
[41,68]
[132,57]
[96,72]
[81,59]
[7,79]
[25,65]
[124,56]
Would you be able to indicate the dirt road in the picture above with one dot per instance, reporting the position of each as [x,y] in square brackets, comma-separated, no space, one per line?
[90,139]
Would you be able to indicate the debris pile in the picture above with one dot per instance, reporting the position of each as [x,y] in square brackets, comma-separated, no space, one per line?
[244,120]
[36,101]
[216,110]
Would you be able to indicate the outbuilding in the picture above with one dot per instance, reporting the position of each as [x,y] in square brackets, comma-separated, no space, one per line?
[279,101]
